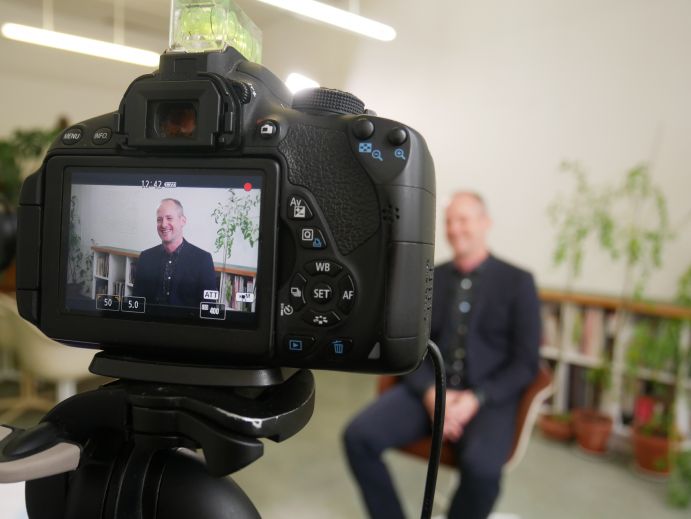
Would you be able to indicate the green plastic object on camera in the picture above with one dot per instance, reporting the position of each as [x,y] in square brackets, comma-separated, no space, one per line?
[212,25]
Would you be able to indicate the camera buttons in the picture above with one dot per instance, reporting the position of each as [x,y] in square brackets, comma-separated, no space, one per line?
[340,348]
[311,238]
[298,345]
[346,291]
[102,136]
[268,129]
[398,136]
[321,319]
[363,128]
[298,209]
[297,291]
[322,293]
[72,135]
[330,268]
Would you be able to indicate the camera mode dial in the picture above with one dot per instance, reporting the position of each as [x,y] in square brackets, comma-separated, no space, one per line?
[327,101]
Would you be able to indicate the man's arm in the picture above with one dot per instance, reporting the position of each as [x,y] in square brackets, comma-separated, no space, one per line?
[508,382]
[208,275]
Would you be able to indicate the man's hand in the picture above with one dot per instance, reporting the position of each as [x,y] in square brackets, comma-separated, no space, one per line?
[461,407]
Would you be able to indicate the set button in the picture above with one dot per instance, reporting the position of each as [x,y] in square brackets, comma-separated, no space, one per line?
[322,293]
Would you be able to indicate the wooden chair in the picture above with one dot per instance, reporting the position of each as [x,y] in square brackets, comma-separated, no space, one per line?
[529,407]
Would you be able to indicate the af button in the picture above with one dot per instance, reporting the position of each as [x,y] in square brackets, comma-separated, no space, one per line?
[346,294]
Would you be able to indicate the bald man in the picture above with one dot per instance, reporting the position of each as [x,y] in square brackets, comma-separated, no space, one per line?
[486,322]
[174,273]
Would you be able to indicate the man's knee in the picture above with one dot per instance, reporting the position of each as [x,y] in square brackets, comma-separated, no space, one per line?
[357,439]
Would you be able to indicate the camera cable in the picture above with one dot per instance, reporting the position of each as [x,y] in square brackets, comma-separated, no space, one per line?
[437,429]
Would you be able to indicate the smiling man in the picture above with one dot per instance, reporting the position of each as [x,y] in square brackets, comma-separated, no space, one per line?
[175,272]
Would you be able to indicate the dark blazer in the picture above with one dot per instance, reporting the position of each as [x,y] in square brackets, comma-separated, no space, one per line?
[503,336]
[194,273]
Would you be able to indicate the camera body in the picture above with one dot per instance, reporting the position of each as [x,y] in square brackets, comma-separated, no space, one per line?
[317,215]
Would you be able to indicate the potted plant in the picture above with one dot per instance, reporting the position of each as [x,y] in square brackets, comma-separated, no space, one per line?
[557,426]
[19,154]
[592,427]
[653,442]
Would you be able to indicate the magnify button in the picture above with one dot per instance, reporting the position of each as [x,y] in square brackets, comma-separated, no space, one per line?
[399,153]
[376,154]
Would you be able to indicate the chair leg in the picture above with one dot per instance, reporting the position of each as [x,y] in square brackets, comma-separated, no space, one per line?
[65,389]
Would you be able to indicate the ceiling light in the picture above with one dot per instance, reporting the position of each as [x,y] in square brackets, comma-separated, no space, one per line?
[70,42]
[296,82]
[338,17]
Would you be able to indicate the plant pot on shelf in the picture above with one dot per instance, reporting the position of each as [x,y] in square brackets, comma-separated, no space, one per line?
[592,429]
[556,427]
[652,452]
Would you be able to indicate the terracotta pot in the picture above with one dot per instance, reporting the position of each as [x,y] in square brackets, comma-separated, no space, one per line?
[651,452]
[592,430]
[556,429]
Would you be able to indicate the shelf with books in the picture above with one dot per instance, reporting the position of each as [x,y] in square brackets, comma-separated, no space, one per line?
[589,340]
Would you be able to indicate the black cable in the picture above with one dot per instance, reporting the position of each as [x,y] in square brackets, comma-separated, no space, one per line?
[437,429]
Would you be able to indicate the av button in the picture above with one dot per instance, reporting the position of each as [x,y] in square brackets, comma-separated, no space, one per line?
[72,135]
[102,136]
[320,319]
[298,209]
[322,293]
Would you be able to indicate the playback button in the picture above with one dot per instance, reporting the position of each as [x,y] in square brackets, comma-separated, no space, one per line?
[298,345]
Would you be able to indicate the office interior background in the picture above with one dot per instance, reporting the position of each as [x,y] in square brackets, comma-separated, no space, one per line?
[504,93]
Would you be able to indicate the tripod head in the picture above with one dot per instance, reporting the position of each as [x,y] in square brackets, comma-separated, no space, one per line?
[127,449]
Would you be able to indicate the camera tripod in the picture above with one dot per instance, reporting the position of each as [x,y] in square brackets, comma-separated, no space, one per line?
[127,450]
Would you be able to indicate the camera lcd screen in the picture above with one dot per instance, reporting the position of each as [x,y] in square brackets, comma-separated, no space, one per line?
[163,244]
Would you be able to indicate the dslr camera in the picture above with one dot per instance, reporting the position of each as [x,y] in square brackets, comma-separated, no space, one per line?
[308,223]
[214,236]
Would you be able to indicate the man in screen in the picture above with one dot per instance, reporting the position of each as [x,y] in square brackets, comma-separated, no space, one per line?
[175,272]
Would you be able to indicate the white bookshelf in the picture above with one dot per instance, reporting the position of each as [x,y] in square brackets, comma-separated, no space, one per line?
[579,331]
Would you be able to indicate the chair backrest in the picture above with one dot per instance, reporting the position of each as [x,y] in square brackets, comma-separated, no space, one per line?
[528,409]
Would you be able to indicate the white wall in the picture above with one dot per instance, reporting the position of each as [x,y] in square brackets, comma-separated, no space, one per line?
[504,91]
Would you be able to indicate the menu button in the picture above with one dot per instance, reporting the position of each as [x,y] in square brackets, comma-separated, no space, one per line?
[72,136]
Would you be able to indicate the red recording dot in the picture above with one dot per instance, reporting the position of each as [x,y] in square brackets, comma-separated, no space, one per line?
[248,186]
